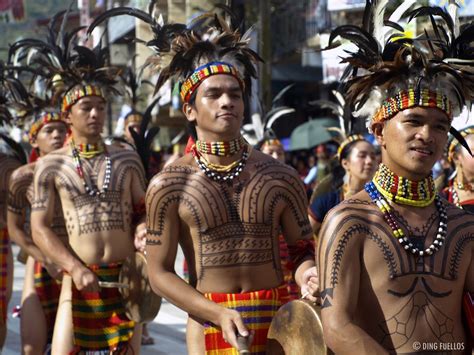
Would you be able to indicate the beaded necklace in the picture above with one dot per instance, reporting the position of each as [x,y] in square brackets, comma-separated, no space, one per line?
[397,232]
[88,186]
[464,186]
[90,150]
[402,190]
[222,149]
[455,196]
[225,175]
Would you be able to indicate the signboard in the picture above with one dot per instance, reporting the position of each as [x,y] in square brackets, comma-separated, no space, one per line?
[466,7]
[338,5]
[12,11]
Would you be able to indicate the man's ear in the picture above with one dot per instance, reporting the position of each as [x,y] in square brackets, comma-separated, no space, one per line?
[378,132]
[67,117]
[33,144]
[189,111]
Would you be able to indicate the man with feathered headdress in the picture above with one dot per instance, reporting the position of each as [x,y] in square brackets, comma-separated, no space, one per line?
[40,296]
[395,258]
[224,203]
[101,190]
[8,164]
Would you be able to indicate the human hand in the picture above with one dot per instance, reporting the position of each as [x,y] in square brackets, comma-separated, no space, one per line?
[53,270]
[233,327]
[85,279]
[310,285]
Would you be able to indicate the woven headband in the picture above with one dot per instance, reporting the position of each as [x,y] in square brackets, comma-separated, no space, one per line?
[203,72]
[78,92]
[46,117]
[345,142]
[411,98]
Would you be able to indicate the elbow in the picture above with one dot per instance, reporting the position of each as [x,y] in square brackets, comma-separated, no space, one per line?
[332,331]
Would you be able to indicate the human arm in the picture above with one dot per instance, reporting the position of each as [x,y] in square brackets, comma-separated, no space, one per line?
[164,226]
[138,189]
[299,238]
[18,204]
[339,263]
[42,212]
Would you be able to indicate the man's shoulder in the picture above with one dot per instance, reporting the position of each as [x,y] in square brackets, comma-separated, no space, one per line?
[177,172]
[120,153]
[23,174]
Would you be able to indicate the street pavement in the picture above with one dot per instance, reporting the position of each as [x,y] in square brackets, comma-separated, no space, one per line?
[168,328]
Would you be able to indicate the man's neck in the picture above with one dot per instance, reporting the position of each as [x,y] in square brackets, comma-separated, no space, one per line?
[78,139]
[405,173]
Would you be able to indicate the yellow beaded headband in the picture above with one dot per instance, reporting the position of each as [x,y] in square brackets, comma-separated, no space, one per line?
[454,143]
[276,142]
[46,117]
[78,92]
[345,142]
[196,78]
[411,98]
[133,117]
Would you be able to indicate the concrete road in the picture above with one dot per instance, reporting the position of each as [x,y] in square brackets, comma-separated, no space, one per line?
[168,328]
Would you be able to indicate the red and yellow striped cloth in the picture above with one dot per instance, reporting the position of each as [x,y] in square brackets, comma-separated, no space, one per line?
[257,309]
[48,290]
[4,247]
[99,319]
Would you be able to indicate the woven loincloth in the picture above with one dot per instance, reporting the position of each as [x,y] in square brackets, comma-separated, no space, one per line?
[99,319]
[48,290]
[257,309]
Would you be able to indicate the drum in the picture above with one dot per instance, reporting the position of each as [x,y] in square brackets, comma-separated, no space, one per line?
[140,302]
[295,329]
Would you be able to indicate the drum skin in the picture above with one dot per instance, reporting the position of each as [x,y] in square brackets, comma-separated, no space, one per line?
[141,303]
[296,329]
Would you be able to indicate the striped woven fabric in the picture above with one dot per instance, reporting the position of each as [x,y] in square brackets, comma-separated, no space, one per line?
[4,247]
[257,309]
[48,290]
[99,318]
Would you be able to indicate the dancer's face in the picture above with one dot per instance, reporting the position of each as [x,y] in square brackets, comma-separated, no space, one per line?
[463,160]
[87,116]
[50,137]
[361,162]
[275,151]
[413,140]
[218,110]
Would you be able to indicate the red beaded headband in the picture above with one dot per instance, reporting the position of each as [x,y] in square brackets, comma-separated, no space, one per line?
[411,98]
[78,92]
[47,117]
[205,71]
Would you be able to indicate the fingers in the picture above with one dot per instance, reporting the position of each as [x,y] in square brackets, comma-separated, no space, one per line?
[241,328]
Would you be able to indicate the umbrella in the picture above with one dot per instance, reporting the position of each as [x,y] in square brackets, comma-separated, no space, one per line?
[312,133]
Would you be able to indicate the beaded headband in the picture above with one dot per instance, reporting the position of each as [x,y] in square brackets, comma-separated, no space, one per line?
[133,117]
[205,71]
[78,92]
[46,117]
[454,143]
[345,142]
[411,98]
[276,142]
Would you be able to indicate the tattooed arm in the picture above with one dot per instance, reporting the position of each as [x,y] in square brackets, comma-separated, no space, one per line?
[163,229]
[298,235]
[20,181]
[42,212]
[138,188]
[339,264]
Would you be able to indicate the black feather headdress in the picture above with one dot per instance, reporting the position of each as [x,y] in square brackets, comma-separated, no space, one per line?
[144,139]
[66,65]
[181,49]
[434,70]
